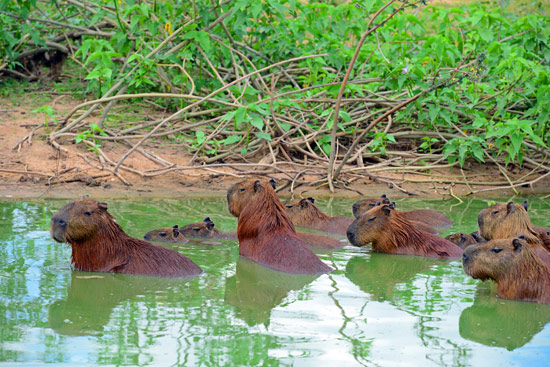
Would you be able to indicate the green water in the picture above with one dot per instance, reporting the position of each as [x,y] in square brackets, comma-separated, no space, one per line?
[374,310]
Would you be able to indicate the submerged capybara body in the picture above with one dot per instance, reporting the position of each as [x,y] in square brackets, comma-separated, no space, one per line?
[266,234]
[168,234]
[304,213]
[99,244]
[464,240]
[432,218]
[519,272]
[389,232]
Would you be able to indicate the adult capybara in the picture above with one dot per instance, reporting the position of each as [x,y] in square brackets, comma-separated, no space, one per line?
[168,234]
[520,274]
[304,213]
[99,244]
[205,229]
[266,234]
[509,220]
[431,217]
[464,240]
[390,232]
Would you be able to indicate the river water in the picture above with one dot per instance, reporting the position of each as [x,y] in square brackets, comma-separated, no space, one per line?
[374,310]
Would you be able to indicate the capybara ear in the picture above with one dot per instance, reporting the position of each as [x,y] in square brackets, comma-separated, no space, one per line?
[304,203]
[210,225]
[175,231]
[386,201]
[207,220]
[257,186]
[392,205]
[463,238]
[521,237]
[102,205]
[384,196]
[525,205]
[175,226]
[273,184]
[475,236]
[311,199]
[378,203]
[517,244]
[510,207]
[386,210]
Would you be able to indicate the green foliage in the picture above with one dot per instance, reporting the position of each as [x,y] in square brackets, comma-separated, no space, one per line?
[494,66]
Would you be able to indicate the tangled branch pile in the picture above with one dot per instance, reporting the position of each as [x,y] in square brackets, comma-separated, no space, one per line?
[250,83]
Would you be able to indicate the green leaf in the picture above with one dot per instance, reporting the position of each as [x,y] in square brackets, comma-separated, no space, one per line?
[232,139]
[257,122]
[264,136]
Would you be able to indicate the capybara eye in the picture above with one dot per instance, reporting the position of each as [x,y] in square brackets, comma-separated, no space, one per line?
[289,206]
[162,234]
[496,250]
[88,213]
[371,219]
[241,190]
[372,205]
[495,212]
[196,229]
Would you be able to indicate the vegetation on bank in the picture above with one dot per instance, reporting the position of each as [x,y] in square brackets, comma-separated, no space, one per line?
[249,81]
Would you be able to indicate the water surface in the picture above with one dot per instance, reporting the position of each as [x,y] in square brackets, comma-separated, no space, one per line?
[374,310]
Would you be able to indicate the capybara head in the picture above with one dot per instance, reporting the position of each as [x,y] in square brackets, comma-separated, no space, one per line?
[169,234]
[79,220]
[504,221]
[204,229]
[369,225]
[493,259]
[241,194]
[299,208]
[363,205]
[463,240]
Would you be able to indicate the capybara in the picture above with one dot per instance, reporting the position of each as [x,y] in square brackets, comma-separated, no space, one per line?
[265,232]
[390,232]
[168,234]
[520,274]
[509,220]
[304,213]
[492,321]
[431,217]
[99,244]
[464,240]
[205,229]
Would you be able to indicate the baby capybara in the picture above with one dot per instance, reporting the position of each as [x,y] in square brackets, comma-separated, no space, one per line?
[266,234]
[205,229]
[509,220]
[464,240]
[390,232]
[99,244]
[431,217]
[168,234]
[304,213]
[519,273]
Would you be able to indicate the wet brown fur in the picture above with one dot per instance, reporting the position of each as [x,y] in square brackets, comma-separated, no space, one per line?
[519,272]
[305,214]
[205,229]
[390,232]
[266,234]
[432,218]
[462,240]
[99,244]
[168,234]
[509,220]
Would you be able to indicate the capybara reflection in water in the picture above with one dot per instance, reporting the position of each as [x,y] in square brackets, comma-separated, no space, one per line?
[266,234]
[389,232]
[99,244]
[431,217]
[519,272]
[168,234]
[464,240]
[304,213]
